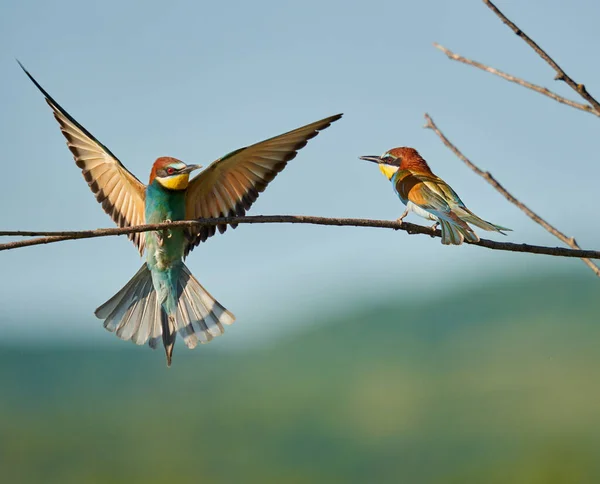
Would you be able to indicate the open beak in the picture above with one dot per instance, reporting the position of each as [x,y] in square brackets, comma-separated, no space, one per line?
[190,168]
[374,159]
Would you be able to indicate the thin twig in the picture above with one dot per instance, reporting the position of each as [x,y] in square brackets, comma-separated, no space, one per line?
[492,181]
[561,75]
[517,80]
[50,237]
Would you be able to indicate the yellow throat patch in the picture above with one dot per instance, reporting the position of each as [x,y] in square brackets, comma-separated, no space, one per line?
[388,170]
[177,182]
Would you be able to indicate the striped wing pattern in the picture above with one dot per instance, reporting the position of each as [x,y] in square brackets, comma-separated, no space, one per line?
[120,193]
[428,192]
[230,185]
[432,194]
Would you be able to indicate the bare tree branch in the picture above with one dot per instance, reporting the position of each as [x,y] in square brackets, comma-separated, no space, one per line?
[51,237]
[492,181]
[561,75]
[517,80]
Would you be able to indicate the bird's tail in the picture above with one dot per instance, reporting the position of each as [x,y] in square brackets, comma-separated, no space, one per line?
[469,217]
[135,313]
[455,231]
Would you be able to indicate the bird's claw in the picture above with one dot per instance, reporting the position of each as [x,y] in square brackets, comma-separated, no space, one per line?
[401,218]
[434,227]
[161,235]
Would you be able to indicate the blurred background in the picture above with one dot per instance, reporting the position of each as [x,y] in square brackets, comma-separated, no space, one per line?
[358,355]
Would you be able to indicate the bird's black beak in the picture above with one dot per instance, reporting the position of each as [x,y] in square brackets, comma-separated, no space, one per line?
[374,159]
[190,168]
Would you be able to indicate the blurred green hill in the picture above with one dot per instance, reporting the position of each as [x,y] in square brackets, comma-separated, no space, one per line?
[497,383]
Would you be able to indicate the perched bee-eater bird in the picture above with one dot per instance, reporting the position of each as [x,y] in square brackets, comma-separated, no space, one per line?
[164,298]
[429,196]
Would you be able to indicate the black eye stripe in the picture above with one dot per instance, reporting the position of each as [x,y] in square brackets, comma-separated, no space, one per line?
[163,172]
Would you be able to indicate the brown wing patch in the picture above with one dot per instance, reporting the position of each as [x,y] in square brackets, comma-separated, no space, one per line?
[405,184]
[230,185]
[120,193]
[422,190]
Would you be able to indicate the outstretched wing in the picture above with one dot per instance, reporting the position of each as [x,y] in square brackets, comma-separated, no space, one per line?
[121,194]
[230,185]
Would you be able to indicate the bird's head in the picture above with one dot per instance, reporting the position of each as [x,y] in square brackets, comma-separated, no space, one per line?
[395,159]
[171,173]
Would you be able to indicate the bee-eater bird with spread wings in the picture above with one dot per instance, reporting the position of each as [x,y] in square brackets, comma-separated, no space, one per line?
[429,196]
[164,298]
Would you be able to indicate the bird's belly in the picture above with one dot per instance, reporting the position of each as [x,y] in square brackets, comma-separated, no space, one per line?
[420,212]
[160,258]
[165,248]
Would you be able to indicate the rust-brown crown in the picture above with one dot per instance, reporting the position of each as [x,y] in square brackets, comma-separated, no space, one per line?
[407,158]
[404,157]
[162,163]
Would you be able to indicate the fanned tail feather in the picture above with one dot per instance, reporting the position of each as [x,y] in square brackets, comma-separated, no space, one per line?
[169,334]
[200,317]
[126,311]
[136,314]
[454,233]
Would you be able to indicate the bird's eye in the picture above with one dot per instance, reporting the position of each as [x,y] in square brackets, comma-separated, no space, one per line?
[170,171]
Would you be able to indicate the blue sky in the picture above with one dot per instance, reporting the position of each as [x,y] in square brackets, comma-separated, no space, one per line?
[195,80]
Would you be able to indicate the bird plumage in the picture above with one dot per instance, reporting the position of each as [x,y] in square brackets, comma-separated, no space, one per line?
[429,196]
[231,184]
[119,192]
[163,299]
